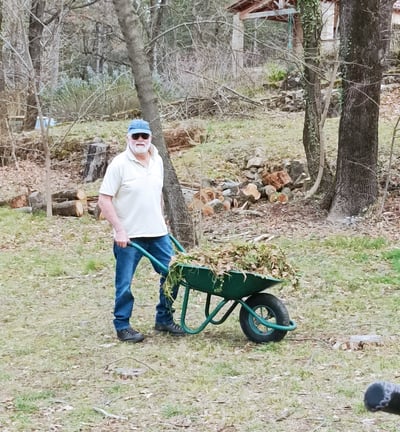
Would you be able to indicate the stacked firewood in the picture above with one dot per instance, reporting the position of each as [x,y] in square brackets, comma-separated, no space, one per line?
[262,183]
[64,203]
[229,195]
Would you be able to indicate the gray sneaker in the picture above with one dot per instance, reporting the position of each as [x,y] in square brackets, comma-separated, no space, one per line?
[173,329]
[129,335]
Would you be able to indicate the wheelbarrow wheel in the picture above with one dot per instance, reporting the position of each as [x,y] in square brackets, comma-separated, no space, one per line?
[270,309]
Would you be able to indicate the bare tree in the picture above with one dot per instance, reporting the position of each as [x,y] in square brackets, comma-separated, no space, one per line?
[3,96]
[157,8]
[364,28]
[35,32]
[311,20]
[176,209]
[3,112]
[39,20]
[30,58]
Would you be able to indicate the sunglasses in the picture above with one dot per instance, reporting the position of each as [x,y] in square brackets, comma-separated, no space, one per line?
[136,136]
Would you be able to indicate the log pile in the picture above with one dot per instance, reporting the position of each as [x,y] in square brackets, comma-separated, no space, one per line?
[237,195]
[182,136]
[64,203]
[272,185]
[293,101]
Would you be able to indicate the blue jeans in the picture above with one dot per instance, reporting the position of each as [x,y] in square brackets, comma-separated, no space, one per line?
[127,259]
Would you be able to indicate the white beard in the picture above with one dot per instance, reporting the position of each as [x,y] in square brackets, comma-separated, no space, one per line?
[140,149]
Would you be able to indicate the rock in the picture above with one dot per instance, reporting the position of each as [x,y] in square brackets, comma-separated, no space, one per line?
[255,162]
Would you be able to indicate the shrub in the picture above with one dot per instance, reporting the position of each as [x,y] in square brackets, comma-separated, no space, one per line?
[100,97]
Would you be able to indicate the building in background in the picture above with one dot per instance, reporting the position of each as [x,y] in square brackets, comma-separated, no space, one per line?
[285,11]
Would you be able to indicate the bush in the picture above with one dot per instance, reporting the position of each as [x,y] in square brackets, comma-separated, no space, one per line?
[276,73]
[100,97]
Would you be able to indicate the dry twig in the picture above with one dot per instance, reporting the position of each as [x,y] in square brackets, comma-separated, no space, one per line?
[107,414]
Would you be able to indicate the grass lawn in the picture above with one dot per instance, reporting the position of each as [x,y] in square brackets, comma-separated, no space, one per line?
[63,370]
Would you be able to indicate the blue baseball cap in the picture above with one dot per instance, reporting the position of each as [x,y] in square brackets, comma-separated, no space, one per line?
[139,126]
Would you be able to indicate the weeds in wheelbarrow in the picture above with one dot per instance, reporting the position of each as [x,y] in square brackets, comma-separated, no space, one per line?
[261,258]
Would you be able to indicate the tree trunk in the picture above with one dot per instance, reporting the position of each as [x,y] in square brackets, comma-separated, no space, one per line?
[177,212]
[35,51]
[3,111]
[96,162]
[311,19]
[363,43]
[157,8]
[2,72]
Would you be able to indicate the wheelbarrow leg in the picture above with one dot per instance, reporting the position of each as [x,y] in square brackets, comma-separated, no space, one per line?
[226,314]
[209,316]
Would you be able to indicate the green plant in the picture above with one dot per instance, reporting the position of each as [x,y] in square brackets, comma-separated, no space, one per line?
[275,73]
[173,410]
[225,369]
[28,402]
[92,265]
[393,257]
[356,243]
[101,96]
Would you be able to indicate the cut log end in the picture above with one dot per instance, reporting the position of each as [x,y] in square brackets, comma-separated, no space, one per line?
[250,192]
[69,208]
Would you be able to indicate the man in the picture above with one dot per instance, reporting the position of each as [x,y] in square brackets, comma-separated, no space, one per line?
[130,198]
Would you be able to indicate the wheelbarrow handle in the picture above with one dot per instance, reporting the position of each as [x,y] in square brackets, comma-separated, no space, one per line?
[163,268]
[176,243]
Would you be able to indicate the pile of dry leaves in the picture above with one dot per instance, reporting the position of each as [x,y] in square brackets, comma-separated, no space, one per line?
[260,258]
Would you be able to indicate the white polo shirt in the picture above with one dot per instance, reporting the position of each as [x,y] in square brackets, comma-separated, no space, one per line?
[137,193]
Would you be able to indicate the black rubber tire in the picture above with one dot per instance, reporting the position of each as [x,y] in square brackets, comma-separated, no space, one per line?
[270,308]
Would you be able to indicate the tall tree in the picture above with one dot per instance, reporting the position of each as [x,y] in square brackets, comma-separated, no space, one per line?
[364,27]
[177,212]
[39,21]
[157,8]
[3,112]
[311,21]
[2,77]
[35,33]
[3,101]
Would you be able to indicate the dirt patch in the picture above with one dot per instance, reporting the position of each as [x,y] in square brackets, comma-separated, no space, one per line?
[299,218]
[28,176]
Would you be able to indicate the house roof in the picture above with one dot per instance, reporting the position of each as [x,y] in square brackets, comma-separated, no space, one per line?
[241,5]
[270,9]
[274,9]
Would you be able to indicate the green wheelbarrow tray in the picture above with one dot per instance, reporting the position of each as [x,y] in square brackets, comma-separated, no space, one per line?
[232,285]
[263,317]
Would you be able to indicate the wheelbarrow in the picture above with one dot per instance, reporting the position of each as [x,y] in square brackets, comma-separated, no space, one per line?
[263,317]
